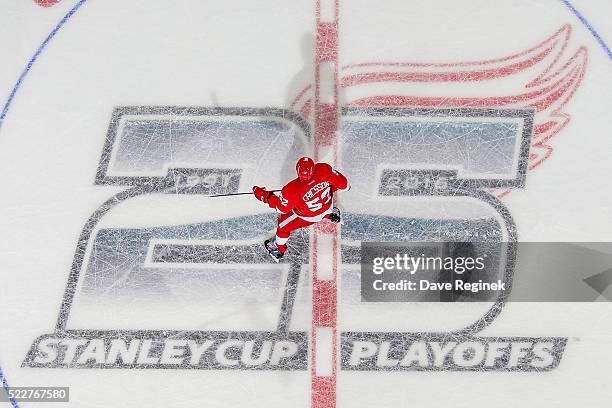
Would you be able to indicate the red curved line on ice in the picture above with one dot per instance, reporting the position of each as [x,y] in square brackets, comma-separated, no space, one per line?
[544,132]
[514,63]
[563,33]
[556,90]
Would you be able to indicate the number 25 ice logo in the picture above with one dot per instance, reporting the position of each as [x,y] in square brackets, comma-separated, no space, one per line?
[163,278]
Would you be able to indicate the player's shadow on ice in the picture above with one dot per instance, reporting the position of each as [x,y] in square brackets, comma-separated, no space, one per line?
[296,96]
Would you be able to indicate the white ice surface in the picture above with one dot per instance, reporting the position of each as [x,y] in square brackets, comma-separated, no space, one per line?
[244,53]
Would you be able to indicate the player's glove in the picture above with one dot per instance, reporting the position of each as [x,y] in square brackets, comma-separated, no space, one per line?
[261,193]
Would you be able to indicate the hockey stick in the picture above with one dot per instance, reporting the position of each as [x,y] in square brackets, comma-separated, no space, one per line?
[237,194]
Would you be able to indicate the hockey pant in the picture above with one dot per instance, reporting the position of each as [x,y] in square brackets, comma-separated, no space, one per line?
[287,223]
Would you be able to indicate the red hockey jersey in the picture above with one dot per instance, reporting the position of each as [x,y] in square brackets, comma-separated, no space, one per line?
[314,199]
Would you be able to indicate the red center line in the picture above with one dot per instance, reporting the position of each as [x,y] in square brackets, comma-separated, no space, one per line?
[325,282]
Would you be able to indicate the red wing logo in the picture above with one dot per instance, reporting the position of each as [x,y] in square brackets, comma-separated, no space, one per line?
[542,78]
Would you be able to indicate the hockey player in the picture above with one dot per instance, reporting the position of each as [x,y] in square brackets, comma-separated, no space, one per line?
[303,201]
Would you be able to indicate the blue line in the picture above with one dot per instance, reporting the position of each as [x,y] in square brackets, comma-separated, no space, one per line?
[6,386]
[7,105]
[589,27]
[40,49]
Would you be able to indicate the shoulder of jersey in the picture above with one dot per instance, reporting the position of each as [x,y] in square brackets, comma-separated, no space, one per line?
[289,188]
[323,167]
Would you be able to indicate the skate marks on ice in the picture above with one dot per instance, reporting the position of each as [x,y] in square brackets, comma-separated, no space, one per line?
[434,169]
[153,278]
[396,345]
[200,150]
[185,295]
[464,148]
[168,276]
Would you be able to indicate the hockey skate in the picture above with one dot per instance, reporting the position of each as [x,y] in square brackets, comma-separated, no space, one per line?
[273,250]
[336,216]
